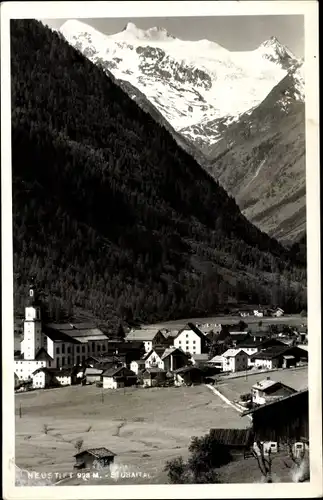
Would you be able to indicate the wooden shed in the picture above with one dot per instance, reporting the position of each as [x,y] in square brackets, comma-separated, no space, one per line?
[94,458]
[282,421]
[238,441]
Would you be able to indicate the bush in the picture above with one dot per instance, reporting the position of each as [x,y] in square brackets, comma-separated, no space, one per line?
[245,397]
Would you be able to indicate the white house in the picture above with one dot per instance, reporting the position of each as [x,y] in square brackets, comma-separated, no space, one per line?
[191,341]
[278,313]
[235,360]
[268,390]
[257,313]
[46,377]
[114,378]
[137,365]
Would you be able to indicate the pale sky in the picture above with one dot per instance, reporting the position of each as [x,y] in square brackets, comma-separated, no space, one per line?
[232,32]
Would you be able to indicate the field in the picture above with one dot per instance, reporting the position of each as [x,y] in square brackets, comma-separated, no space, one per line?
[144,427]
[292,320]
[233,388]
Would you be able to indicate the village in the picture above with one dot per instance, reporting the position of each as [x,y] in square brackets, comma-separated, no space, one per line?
[248,369]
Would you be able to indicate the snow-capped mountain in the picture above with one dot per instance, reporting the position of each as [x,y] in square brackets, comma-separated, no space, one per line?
[198,86]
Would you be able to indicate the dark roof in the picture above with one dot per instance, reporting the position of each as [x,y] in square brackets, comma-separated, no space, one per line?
[271,352]
[250,342]
[186,369]
[277,402]
[97,452]
[68,332]
[154,370]
[57,335]
[43,351]
[232,437]
[239,337]
[54,371]
[112,372]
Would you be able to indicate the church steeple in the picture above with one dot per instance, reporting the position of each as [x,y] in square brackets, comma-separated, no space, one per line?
[32,295]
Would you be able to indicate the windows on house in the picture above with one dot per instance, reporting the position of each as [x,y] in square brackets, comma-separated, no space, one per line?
[63,360]
[69,350]
[57,350]
[83,349]
[63,348]
[77,348]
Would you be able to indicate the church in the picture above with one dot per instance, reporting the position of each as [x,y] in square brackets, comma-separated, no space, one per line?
[54,347]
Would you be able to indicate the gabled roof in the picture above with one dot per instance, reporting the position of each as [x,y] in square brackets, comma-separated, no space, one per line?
[159,351]
[43,352]
[93,371]
[120,371]
[172,350]
[271,352]
[250,342]
[231,353]
[200,357]
[186,369]
[139,362]
[265,384]
[216,359]
[232,437]
[143,334]
[56,372]
[81,332]
[56,335]
[153,371]
[261,408]
[97,452]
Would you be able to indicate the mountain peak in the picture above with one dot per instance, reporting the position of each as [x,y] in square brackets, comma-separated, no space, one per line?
[275,51]
[155,33]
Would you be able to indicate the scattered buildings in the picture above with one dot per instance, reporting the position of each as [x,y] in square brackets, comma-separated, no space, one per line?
[278,357]
[235,360]
[268,390]
[94,458]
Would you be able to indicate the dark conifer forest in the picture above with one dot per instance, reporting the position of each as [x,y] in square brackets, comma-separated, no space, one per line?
[110,216]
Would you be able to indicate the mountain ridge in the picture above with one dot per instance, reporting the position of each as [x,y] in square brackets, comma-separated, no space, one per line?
[109,215]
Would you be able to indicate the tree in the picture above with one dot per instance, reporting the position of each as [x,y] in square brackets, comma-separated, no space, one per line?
[206,456]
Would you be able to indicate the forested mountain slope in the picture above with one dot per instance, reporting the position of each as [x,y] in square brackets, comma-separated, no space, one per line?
[109,214]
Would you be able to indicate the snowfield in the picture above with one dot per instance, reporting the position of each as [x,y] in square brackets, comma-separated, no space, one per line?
[190,82]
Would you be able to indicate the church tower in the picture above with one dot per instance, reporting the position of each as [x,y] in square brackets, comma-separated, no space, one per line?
[32,325]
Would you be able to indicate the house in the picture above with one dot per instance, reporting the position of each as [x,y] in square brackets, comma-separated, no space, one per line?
[269,390]
[153,358]
[115,378]
[174,358]
[127,350]
[152,376]
[191,340]
[278,357]
[283,421]
[94,458]
[149,336]
[235,360]
[199,359]
[93,375]
[278,312]
[137,366]
[52,377]
[257,313]
[188,375]
[217,362]
[237,337]
[252,346]
[238,441]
